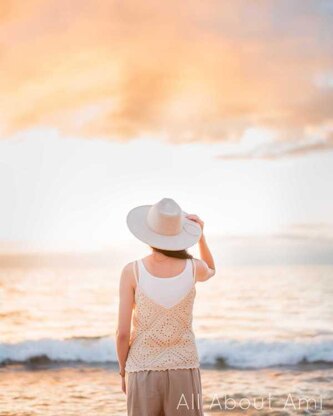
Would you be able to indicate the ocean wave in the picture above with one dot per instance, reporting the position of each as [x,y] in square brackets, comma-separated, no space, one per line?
[219,352]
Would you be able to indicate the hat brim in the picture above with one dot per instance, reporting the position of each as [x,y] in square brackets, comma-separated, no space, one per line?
[137,224]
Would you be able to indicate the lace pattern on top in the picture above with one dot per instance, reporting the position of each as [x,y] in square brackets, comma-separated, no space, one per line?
[162,338]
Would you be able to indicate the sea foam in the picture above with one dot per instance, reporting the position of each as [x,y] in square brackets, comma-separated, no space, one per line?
[225,352]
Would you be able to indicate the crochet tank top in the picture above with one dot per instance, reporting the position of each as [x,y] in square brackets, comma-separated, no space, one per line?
[162,338]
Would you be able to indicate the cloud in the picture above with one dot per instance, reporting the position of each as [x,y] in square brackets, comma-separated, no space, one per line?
[204,71]
[275,149]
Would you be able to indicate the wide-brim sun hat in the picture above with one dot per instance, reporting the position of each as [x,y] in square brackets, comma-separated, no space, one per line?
[163,225]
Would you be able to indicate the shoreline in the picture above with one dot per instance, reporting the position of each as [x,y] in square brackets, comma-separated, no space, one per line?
[43,363]
[95,390]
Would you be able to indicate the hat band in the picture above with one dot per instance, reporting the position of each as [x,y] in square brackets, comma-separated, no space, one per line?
[164,224]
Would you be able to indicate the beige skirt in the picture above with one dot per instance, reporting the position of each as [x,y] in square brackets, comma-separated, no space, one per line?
[164,393]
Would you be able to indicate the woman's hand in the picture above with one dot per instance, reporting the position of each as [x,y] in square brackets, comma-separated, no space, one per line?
[123,384]
[196,219]
[207,267]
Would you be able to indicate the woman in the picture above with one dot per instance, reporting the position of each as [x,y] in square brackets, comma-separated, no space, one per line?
[159,354]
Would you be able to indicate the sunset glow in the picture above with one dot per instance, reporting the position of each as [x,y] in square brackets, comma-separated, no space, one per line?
[206,72]
[225,106]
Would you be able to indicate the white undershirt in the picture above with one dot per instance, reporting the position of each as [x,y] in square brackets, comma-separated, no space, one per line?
[166,291]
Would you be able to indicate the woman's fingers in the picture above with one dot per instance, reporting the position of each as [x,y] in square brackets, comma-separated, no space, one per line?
[196,219]
[123,385]
[192,217]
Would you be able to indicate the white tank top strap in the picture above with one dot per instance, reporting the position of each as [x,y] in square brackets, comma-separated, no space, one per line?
[141,269]
[194,269]
[135,271]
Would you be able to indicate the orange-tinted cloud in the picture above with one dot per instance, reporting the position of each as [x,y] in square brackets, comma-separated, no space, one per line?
[181,70]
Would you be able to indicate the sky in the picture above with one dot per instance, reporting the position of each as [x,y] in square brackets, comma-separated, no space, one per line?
[224,106]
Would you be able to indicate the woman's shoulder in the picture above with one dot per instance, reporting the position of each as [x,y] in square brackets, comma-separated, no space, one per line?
[202,272]
[129,266]
[128,272]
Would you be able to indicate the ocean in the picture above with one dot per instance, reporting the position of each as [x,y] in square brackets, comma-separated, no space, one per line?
[264,336]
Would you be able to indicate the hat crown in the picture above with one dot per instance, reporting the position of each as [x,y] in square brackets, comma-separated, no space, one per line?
[165,217]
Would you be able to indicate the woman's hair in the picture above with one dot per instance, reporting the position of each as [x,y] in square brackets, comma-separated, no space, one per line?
[178,254]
